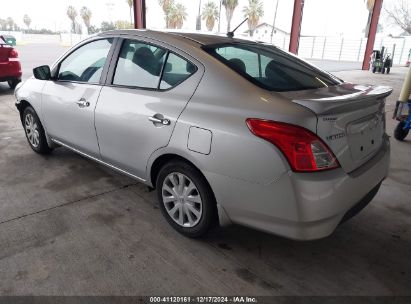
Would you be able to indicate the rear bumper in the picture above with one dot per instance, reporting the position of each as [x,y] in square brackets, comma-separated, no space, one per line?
[303,206]
[10,70]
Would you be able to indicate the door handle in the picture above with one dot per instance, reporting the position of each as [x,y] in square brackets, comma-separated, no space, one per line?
[82,103]
[163,121]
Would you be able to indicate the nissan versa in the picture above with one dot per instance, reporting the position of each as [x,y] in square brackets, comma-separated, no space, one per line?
[225,130]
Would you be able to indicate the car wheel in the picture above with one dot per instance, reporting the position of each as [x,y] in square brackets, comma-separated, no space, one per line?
[186,199]
[400,133]
[13,83]
[34,131]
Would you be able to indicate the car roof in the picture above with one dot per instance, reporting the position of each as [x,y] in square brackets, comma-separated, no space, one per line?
[197,39]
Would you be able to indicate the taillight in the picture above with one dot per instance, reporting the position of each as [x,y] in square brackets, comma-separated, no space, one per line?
[13,54]
[304,151]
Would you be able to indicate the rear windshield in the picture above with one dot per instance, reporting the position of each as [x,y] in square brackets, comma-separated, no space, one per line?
[271,68]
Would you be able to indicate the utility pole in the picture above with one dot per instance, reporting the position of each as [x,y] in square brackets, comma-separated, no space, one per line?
[275,16]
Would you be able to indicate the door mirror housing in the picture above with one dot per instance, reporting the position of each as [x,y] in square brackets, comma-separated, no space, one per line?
[42,72]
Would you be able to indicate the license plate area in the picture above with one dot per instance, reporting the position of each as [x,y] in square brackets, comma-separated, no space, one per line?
[365,135]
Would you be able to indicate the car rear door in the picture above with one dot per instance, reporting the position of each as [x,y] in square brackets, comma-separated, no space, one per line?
[146,90]
[68,102]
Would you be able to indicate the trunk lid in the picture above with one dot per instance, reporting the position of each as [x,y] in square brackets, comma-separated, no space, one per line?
[350,119]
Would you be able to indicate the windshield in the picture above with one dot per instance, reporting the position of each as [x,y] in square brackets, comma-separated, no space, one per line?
[271,68]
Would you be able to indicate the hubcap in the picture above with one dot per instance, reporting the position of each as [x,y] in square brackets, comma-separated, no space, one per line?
[32,131]
[182,200]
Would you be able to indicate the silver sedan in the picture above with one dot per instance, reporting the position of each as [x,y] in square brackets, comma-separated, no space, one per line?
[226,130]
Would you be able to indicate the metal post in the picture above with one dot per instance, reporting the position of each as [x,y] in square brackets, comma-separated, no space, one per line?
[359,51]
[139,14]
[325,40]
[402,50]
[393,53]
[296,26]
[371,34]
[275,17]
[312,49]
[342,43]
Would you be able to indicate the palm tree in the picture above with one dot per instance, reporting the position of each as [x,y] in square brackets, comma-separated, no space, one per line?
[166,5]
[10,23]
[229,6]
[72,14]
[253,12]
[177,16]
[27,20]
[370,5]
[130,5]
[210,14]
[85,14]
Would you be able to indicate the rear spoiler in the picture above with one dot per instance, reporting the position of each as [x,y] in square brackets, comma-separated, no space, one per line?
[366,95]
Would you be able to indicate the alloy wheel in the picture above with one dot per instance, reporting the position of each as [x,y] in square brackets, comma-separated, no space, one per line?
[32,131]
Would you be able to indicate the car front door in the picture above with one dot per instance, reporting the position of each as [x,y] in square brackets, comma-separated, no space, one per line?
[147,89]
[69,100]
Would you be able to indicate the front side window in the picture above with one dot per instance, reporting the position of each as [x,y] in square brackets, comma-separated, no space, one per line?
[271,68]
[139,65]
[86,63]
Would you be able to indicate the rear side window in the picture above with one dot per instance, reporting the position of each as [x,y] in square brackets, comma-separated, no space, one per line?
[147,66]
[139,65]
[271,68]
[86,63]
[176,71]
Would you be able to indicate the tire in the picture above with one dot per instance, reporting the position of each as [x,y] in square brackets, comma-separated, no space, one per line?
[399,132]
[34,131]
[13,83]
[198,213]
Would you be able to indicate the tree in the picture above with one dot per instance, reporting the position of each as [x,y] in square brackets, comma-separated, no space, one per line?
[254,11]
[210,14]
[72,14]
[177,16]
[123,25]
[107,26]
[86,14]
[400,15]
[167,6]
[130,5]
[27,20]
[229,6]
[10,23]
[3,24]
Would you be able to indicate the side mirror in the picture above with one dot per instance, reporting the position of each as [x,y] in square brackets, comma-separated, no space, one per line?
[42,72]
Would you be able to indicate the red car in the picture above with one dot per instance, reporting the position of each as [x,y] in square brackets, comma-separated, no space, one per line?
[10,68]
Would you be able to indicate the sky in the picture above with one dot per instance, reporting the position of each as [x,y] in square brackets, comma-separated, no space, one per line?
[321,17]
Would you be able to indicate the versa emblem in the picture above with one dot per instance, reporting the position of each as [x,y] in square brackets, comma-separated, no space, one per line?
[335,136]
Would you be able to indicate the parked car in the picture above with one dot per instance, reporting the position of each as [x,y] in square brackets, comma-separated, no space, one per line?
[10,40]
[225,130]
[10,68]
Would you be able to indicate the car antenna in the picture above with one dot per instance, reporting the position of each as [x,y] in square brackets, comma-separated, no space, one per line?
[231,34]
